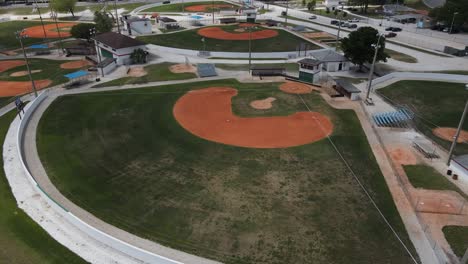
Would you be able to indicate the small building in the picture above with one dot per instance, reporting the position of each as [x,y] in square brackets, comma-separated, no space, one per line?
[309,70]
[137,25]
[459,166]
[251,14]
[331,4]
[117,46]
[167,23]
[332,61]
[347,89]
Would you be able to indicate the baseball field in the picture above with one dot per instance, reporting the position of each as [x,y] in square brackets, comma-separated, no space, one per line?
[139,160]
[207,6]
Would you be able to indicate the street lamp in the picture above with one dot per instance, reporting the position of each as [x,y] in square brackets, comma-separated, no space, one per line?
[58,31]
[286,15]
[116,16]
[40,17]
[20,36]
[453,20]
[92,32]
[250,48]
[457,134]
[339,25]
[371,73]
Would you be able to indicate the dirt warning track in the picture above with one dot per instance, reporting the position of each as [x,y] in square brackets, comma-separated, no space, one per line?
[220,33]
[207,113]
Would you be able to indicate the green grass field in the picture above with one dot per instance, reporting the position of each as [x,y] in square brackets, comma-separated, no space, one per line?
[180,7]
[422,176]
[436,103]
[457,237]
[156,73]
[134,166]
[9,41]
[190,39]
[22,240]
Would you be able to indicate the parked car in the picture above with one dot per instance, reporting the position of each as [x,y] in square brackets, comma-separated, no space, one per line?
[396,29]
[446,29]
[389,29]
[353,20]
[353,26]
[313,17]
[346,25]
[390,35]
[166,2]
[334,22]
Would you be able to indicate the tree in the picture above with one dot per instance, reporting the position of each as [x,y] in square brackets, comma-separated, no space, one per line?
[359,46]
[139,56]
[311,5]
[63,6]
[82,31]
[103,22]
[304,2]
[446,13]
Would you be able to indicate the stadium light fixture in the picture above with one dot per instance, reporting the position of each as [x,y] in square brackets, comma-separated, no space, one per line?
[20,36]
[457,134]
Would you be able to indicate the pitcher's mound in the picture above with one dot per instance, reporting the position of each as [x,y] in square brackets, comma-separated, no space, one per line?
[75,64]
[23,73]
[181,68]
[295,88]
[448,133]
[263,104]
[137,72]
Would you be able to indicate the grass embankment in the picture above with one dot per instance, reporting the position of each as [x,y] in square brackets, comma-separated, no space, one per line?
[22,240]
[437,104]
[134,166]
[400,56]
[180,7]
[190,39]
[457,237]
[156,73]
[425,177]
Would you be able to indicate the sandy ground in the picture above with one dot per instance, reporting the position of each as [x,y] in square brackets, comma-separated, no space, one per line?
[10,64]
[75,64]
[263,104]
[295,88]
[137,72]
[207,113]
[181,68]
[403,155]
[8,88]
[448,133]
[23,73]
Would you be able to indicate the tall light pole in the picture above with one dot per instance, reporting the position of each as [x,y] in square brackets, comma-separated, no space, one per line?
[457,134]
[116,16]
[40,17]
[19,35]
[92,32]
[371,73]
[250,48]
[453,20]
[286,16]
[339,26]
[58,31]
[212,10]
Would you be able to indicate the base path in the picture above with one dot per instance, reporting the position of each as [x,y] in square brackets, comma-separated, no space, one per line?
[10,64]
[23,73]
[8,88]
[207,113]
[75,64]
[51,30]
[219,33]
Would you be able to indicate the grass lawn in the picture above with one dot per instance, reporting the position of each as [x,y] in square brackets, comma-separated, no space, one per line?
[156,73]
[453,72]
[21,239]
[180,7]
[425,177]
[190,39]
[400,56]
[8,37]
[457,237]
[436,103]
[134,166]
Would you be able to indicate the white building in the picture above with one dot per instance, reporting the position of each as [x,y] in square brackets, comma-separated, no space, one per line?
[331,4]
[137,26]
[117,46]
[332,61]
[309,70]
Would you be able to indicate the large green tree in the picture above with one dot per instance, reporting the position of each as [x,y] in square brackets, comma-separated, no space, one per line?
[63,6]
[359,47]
[446,12]
[82,30]
[103,22]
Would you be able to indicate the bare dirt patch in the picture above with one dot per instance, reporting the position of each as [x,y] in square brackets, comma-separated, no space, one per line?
[10,64]
[313,35]
[75,64]
[403,156]
[23,73]
[51,31]
[447,133]
[263,104]
[219,33]
[207,113]
[296,88]
[182,68]
[8,88]
[137,72]
[203,8]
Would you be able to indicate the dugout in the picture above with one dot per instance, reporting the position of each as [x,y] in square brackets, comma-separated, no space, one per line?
[268,71]
[227,20]
[347,89]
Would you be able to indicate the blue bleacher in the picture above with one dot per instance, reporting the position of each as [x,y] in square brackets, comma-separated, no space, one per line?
[393,119]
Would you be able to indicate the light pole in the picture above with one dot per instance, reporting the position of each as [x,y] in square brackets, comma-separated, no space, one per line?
[40,17]
[453,20]
[339,26]
[116,16]
[457,134]
[371,73]
[58,31]
[20,37]
[92,32]
[250,48]
[286,15]
[212,10]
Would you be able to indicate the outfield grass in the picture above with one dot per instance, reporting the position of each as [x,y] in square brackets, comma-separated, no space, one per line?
[436,103]
[21,239]
[134,166]
[156,73]
[9,41]
[425,177]
[190,39]
[457,237]
[180,7]
[400,56]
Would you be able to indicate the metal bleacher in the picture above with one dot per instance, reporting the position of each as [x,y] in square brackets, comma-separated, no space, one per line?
[397,119]
[206,70]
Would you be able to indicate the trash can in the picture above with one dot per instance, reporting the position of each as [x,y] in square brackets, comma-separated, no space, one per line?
[455,177]
[449,172]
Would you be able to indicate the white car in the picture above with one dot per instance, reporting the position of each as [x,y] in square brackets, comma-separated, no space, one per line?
[354,20]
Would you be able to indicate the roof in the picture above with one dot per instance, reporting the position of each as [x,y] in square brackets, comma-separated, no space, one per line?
[76,74]
[136,19]
[349,87]
[309,61]
[118,41]
[329,56]
[167,19]
[462,160]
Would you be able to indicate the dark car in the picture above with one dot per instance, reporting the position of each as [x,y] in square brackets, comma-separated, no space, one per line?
[390,35]
[352,26]
[389,29]
[166,2]
[334,22]
[396,29]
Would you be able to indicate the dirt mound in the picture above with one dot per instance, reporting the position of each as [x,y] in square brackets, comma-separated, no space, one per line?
[75,64]
[8,88]
[403,156]
[51,30]
[219,33]
[10,64]
[207,113]
[203,8]
[181,68]
[239,30]
[313,35]
[137,72]
[448,133]
[263,104]
[248,25]
[295,88]
[23,73]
